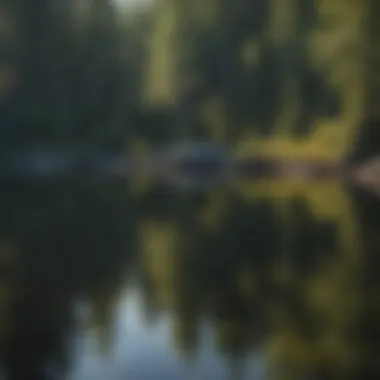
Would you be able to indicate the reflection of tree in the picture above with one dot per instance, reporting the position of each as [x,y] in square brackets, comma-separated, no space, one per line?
[215,274]
[74,243]
[304,303]
[368,327]
[8,260]
[302,294]
[334,308]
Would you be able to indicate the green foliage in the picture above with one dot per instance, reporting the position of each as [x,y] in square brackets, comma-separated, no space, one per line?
[90,75]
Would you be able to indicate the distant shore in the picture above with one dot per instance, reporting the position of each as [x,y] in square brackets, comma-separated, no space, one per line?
[186,167]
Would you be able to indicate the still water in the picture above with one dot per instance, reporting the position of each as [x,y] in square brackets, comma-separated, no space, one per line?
[248,281]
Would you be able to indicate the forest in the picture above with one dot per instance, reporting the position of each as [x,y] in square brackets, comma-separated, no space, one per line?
[269,76]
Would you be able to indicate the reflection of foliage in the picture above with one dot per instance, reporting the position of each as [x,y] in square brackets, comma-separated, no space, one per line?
[71,246]
[8,260]
[300,295]
[297,291]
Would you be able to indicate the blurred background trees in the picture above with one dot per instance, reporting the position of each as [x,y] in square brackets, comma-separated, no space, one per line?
[95,73]
[78,69]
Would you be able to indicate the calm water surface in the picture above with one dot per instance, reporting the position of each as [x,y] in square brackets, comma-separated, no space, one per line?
[253,281]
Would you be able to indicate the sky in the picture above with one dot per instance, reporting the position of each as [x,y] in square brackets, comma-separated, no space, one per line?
[132,3]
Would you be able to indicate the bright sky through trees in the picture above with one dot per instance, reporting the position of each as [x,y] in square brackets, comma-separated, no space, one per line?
[132,3]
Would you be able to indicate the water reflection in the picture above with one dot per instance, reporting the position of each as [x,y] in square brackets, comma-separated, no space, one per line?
[100,282]
[146,351]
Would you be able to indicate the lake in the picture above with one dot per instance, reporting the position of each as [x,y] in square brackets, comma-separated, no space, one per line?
[252,280]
